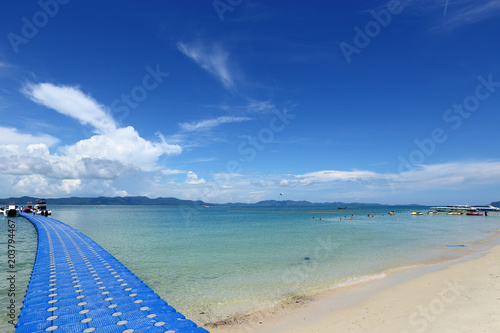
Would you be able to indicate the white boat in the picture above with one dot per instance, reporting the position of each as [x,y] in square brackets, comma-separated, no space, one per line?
[488,208]
[455,208]
[41,208]
[416,213]
[43,212]
[431,212]
[11,211]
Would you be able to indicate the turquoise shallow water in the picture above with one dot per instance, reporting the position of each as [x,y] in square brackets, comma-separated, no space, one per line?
[217,262]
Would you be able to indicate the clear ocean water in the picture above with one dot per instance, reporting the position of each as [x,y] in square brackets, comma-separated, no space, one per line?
[217,262]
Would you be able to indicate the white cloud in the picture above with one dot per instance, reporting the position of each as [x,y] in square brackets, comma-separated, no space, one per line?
[335,175]
[123,145]
[207,124]
[9,150]
[213,59]
[70,101]
[203,159]
[169,172]
[471,174]
[35,184]
[39,185]
[95,168]
[259,183]
[37,160]
[13,138]
[192,179]
[96,187]
[453,175]
[70,185]
[38,150]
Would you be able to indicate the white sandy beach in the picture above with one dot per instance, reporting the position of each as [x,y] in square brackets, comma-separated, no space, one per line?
[459,296]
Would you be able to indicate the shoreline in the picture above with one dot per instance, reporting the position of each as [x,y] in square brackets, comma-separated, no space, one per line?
[432,297]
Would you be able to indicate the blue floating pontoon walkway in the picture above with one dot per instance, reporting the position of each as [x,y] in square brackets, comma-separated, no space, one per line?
[77,286]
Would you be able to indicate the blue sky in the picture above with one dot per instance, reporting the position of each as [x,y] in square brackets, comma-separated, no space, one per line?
[239,101]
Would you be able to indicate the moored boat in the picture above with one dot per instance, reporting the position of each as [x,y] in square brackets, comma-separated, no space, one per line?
[41,208]
[416,213]
[28,208]
[455,208]
[486,208]
[475,213]
[11,211]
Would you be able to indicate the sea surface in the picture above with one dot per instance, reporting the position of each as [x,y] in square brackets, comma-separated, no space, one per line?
[218,262]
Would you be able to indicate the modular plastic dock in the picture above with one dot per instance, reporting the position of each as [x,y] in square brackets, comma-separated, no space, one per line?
[77,286]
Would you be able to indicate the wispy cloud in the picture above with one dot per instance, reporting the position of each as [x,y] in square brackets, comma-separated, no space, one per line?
[200,132]
[445,8]
[336,175]
[461,12]
[212,58]
[208,124]
[72,102]
[453,175]
[203,159]
[250,107]
[255,106]
[470,11]
[170,172]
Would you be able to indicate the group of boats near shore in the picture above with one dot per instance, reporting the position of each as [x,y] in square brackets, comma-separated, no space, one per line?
[12,210]
[461,210]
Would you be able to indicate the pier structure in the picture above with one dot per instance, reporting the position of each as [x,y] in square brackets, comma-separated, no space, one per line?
[77,286]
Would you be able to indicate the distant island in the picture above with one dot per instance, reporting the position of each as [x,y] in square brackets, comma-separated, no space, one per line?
[170,201]
[304,203]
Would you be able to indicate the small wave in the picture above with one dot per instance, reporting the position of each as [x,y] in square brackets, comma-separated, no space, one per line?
[360,279]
